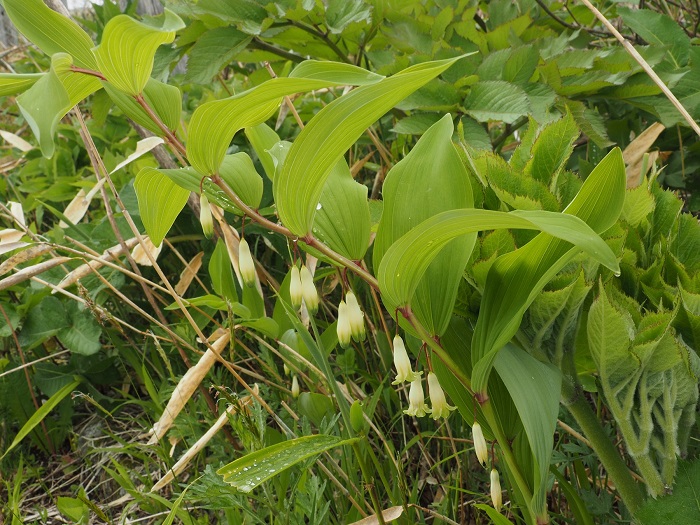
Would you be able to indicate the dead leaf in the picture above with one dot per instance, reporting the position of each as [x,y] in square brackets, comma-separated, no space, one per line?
[189,273]
[78,207]
[186,387]
[390,514]
[31,271]
[16,141]
[23,256]
[139,254]
[634,153]
[142,147]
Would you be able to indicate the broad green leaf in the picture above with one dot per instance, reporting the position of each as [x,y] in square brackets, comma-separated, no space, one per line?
[552,150]
[43,321]
[212,51]
[214,124]
[521,64]
[658,29]
[160,202]
[221,273]
[331,133]
[682,506]
[429,180]
[263,138]
[50,31]
[416,124]
[255,468]
[164,99]
[516,278]
[342,218]
[125,55]
[497,100]
[341,13]
[408,258]
[82,336]
[39,415]
[315,407]
[535,388]
[13,84]
[52,97]
[237,171]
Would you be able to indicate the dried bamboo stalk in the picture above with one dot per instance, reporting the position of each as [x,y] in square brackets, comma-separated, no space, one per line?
[186,387]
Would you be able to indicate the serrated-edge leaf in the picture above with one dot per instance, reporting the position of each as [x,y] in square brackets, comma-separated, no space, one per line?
[331,133]
[255,468]
[516,278]
[160,202]
[125,55]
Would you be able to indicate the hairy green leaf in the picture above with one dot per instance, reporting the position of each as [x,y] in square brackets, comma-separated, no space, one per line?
[516,278]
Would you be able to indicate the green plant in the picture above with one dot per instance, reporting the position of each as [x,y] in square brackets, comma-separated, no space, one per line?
[579,284]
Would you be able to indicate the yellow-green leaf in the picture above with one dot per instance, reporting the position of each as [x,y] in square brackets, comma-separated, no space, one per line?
[125,55]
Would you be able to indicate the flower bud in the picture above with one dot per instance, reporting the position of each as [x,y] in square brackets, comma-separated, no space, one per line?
[295,293]
[440,408]
[416,400]
[357,417]
[403,363]
[357,318]
[308,290]
[245,263]
[205,217]
[496,494]
[286,369]
[295,387]
[343,325]
[480,447]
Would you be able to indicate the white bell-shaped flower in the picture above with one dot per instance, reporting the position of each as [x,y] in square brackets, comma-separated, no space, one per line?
[496,493]
[416,400]
[343,326]
[295,387]
[205,217]
[308,290]
[439,406]
[357,318]
[295,290]
[480,447]
[403,363]
[245,263]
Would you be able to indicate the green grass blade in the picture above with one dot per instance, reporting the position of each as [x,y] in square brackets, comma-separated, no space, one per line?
[40,414]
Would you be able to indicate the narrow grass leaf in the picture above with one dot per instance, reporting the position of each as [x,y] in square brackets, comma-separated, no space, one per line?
[39,415]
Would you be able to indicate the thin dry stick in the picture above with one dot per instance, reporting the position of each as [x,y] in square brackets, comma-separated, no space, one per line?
[645,66]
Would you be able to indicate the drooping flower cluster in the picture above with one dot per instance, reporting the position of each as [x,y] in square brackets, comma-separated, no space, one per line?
[416,398]
[482,454]
[351,321]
